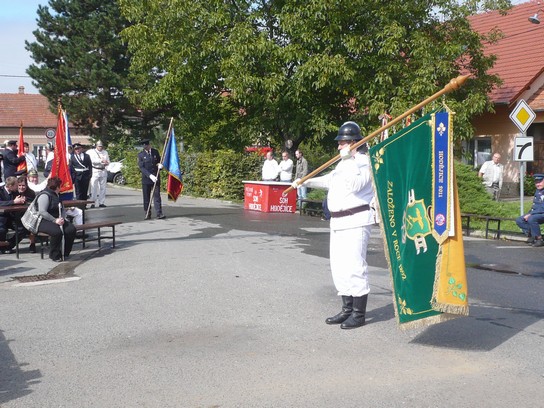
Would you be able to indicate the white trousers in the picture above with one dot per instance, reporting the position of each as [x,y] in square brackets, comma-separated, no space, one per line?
[348,261]
[98,186]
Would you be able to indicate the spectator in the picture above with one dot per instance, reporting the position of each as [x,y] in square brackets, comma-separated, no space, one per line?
[301,170]
[491,173]
[10,196]
[286,168]
[54,221]
[100,159]
[530,222]
[29,194]
[49,156]
[270,169]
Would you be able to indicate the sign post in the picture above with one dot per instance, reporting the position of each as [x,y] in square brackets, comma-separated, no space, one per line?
[523,116]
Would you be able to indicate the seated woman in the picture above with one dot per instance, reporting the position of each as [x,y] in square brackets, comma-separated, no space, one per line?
[54,222]
[22,187]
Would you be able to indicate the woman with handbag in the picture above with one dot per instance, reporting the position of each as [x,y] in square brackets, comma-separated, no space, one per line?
[53,221]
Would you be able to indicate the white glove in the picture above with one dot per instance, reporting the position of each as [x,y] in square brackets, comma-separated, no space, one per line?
[153,178]
[160,166]
[295,184]
[345,153]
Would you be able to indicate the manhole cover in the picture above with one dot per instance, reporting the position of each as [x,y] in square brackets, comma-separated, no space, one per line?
[62,271]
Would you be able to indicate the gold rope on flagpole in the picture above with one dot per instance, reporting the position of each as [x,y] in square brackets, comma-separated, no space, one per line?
[453,85]
[148,212]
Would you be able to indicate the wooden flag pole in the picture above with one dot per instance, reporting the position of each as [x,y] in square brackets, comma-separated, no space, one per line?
[453,85]
[148,212]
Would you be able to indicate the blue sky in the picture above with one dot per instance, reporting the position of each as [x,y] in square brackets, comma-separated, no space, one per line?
[18,20]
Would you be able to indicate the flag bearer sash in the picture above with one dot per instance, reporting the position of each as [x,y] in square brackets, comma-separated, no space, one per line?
[416,192]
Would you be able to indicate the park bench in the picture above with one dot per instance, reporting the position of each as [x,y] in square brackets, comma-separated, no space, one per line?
[44,238]
[311,207]
[488,219]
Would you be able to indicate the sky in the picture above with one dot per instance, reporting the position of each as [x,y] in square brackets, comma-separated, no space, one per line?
[18,20]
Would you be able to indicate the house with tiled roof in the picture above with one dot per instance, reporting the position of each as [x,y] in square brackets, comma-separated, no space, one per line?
[39,123]
[520,65]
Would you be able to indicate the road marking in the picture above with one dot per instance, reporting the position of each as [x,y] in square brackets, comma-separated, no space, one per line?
[48,282]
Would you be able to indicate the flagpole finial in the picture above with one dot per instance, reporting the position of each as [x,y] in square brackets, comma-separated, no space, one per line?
[457,83]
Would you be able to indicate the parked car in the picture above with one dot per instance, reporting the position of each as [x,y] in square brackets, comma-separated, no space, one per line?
[115,172]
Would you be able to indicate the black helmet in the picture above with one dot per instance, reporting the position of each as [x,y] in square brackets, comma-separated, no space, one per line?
[349,131]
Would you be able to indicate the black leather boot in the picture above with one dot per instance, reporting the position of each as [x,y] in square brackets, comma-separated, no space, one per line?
[347,307]
[357,317]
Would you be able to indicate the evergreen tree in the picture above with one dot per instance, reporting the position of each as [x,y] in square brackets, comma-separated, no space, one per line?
[81,60]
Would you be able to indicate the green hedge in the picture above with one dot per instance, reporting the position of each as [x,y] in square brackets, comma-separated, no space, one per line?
[216,174]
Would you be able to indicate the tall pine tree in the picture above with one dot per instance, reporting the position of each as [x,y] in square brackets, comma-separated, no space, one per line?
[80,58]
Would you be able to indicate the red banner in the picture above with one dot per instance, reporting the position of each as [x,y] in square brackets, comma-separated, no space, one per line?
[60,167]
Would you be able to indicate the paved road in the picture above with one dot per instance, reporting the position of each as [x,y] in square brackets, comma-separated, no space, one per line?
[219,307]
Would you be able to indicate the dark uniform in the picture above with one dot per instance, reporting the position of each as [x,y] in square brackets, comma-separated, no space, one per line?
[148,159]
[81,163]
[11,161]
[530,222]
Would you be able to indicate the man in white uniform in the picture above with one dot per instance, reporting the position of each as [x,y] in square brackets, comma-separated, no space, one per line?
[100,159]
[349,195]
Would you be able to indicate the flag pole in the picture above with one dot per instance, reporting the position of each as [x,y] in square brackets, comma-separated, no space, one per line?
[148,212]
[453,85]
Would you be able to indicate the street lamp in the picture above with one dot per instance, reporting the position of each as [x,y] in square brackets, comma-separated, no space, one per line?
[534,19]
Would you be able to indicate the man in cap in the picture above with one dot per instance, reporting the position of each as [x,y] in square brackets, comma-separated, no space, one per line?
[530,222]
[82,166]
[12,160]
[349,194]
[149,163]
[100,159]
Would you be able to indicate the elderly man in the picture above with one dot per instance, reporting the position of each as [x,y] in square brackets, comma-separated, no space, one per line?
[491,174]
[271,168]
[100,159]
[530,222]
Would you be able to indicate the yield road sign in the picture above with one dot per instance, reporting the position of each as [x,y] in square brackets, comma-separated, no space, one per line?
[522,116]
[524,149]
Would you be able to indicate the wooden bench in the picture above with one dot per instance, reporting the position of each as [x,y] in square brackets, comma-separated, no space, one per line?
[488,219]
[98,226]
[312,207]
[44,238]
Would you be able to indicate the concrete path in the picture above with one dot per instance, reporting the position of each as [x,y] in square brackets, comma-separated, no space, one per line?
[219,307]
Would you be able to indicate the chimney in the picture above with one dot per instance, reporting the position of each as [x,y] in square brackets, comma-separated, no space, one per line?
[21,90]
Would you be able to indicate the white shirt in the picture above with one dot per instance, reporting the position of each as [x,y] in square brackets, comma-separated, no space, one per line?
[286,170]
[270,169]
[350,186]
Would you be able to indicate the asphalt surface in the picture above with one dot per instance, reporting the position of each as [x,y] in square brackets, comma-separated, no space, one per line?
[220,307]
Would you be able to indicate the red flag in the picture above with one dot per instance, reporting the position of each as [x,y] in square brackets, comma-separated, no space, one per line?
[60,167]
[22,165]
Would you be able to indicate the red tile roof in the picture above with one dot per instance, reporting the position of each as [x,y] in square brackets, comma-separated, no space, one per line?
[32,109]
[520,54]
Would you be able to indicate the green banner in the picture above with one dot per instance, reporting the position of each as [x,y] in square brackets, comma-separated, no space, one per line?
[403,178]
